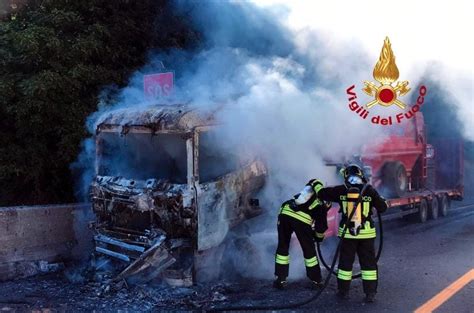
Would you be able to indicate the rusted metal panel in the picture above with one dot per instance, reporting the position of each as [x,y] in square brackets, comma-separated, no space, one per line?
[224,203]
[190,161]
[159,117]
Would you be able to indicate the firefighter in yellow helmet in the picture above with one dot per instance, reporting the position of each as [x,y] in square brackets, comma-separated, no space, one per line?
[299,215]
[360,235]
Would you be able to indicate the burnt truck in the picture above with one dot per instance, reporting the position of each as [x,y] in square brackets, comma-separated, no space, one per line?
[168,191]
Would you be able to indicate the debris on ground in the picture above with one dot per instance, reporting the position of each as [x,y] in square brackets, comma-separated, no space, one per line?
[54,292]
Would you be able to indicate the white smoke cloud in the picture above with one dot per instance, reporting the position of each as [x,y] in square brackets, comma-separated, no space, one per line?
[284,93]
[284,90]
[424,35]
[269,106]
[294,129]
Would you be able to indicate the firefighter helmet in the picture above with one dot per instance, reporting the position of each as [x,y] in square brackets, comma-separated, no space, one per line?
[353,175]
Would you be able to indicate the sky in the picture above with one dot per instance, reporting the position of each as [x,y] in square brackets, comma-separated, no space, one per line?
[424,34]
[419,30]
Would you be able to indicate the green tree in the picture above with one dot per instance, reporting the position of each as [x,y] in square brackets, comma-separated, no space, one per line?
[55,58]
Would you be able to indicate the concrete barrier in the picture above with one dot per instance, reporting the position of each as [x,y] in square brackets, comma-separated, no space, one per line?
[31,236]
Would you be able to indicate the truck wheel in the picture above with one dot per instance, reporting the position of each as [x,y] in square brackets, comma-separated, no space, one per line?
[444,205]
[434,208]
[423,211]
[394,178]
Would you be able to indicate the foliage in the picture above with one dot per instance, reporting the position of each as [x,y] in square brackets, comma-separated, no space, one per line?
[55,57]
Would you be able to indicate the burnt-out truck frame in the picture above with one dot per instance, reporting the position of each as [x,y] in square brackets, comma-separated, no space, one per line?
[166,192]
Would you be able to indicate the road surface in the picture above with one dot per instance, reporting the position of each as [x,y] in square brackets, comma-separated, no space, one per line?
[425,267]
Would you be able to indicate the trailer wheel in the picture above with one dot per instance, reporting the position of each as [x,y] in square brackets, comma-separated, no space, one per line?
[434,208]
[444,205]
[394,178]
[423,211]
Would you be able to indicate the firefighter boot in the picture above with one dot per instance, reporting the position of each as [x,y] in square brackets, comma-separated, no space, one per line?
[370,297]
[280,283]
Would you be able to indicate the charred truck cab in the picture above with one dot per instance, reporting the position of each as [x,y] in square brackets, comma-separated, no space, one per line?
[166,192]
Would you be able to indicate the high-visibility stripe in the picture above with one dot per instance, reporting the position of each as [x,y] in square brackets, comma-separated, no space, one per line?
[344,275]
[344,207]
[301,216]
[365,233]
[311,262]
[282,259]
[359,236]
[314,204]
[320,235]
[369,274]
[366,206]
[298,215]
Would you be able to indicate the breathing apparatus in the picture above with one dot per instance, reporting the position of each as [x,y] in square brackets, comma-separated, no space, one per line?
[304,196]
[355,223]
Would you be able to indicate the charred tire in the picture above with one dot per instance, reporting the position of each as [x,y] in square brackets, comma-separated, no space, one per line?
[434,208]
[444,205]
[423,211]
[394,179]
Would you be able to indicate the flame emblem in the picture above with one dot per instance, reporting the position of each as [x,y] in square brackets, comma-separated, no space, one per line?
[386,73]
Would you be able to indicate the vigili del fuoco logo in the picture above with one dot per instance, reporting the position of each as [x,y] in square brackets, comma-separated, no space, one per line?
[389,91]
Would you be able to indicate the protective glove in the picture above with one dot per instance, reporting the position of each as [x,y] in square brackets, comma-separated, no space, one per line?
[316,184]
[327,205]
[318,237]
[342,171]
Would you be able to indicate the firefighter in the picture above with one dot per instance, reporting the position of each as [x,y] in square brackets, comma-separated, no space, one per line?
[298,215]
[360,235]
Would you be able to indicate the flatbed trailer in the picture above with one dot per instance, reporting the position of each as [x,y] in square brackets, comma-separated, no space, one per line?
[441,180]
[417,206]
[424,204]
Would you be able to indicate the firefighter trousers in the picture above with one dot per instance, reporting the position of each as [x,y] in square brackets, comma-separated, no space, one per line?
[366,252]
[286,226]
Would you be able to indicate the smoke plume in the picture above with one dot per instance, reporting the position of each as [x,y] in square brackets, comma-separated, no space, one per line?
[283,93]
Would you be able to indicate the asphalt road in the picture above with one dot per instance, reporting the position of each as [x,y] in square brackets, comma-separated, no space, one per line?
[419,261]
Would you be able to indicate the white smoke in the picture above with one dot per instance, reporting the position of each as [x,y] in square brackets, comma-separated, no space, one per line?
[268,107]
[460,86]
[284,95]
[294,129]
[425,36]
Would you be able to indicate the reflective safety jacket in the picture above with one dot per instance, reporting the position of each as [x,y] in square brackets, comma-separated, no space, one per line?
[313,211]
[370,199]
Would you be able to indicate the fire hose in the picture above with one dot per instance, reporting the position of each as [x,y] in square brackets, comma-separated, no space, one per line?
[326,281]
